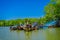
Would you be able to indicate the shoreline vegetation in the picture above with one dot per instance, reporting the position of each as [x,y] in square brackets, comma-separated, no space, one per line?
[39,21]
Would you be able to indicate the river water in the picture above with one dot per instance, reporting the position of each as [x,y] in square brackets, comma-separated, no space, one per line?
[42,34]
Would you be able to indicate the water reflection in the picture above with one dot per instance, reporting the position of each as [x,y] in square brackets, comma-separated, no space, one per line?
[24,35]
[42,34]
[28,35]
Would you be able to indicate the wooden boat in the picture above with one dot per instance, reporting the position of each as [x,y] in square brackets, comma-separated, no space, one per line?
[16,28]
[20,28]
[13,28]
[30,29]
[27,29]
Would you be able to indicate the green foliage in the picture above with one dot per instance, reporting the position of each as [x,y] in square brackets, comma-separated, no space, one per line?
[17,21]
[53,10]
[42,20]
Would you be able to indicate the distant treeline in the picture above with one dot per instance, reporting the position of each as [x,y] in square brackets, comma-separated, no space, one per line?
[42,20]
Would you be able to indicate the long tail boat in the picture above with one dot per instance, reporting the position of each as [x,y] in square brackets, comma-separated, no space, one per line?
[27,28]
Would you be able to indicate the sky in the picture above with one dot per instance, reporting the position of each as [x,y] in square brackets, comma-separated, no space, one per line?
[13,9]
